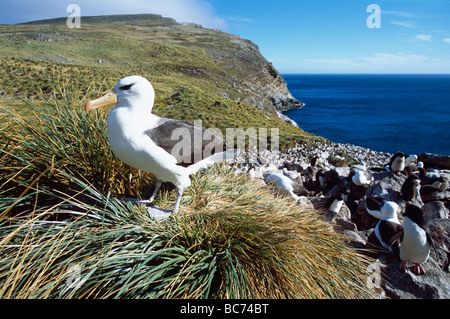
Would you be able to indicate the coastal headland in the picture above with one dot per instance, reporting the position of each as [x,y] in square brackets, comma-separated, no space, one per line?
[224,81]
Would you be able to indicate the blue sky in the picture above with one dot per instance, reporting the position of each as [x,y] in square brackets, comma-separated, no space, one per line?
[311,36]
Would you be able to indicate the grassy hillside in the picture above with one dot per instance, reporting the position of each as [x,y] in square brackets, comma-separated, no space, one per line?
[193,70]
[61,213]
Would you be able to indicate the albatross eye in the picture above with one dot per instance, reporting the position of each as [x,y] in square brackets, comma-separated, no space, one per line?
[126,87]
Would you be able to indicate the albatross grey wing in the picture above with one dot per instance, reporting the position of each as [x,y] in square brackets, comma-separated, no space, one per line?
[186,142]
[387,231]
[374,203]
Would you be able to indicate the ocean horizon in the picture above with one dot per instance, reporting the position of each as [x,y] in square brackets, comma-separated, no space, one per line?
[383,112]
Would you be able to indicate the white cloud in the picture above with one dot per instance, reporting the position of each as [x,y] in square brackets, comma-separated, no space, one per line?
[198,11]
[447,40]
[331,61]
[406,24]
[401,14]
[240,19]
[377,63]
[401,59]
[424,37]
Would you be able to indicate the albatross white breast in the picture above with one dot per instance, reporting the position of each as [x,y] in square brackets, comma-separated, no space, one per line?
[151,143]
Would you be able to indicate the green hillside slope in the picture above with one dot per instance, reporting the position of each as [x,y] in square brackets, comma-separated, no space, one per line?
[197,73]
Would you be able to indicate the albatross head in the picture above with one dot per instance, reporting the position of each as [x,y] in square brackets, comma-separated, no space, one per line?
[132,91]
[390,211]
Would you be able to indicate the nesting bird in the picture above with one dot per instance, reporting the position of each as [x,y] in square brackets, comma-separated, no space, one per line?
[410,188]
[416,241]
[411,160]
[388,228]
[362,178]
[333,206]
[379,207]
[144,141]
[283,184]
[421,170]
[397,163]
[291,174]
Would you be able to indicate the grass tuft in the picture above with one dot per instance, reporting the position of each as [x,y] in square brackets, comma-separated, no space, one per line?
[232,239]
[56,136]
[61,219]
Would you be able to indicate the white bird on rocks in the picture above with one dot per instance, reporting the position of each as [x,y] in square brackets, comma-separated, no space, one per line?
[283,184]
[379,207]
[397,163]
[361,166]
[361,178]
[151,143]
[388,229]
[291,174]
[359,175]
[416,241]
[411,160]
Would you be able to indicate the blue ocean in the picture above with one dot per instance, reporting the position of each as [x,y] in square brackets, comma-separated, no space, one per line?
[387,113]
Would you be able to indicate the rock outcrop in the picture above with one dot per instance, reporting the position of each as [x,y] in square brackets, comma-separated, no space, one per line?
[434,160]
[253,75]
[313,167]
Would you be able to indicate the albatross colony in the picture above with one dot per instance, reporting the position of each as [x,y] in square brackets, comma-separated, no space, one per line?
[151,143]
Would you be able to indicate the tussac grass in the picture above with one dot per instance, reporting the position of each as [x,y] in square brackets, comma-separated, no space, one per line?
[232,239]
[60,183]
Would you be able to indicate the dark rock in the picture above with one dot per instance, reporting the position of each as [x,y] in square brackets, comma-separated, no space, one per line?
[430,193]
[355,240]
[435,161]
[293,167]
[357,191]
[363,219]
[435,284]
[434,210]
[387,186]
[440,232]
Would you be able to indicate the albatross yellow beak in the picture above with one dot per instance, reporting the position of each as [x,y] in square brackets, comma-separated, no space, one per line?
[105,100]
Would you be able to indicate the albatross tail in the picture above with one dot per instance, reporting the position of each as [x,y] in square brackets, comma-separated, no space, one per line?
[227,156]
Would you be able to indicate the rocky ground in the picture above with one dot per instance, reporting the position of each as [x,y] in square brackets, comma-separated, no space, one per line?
[313,174]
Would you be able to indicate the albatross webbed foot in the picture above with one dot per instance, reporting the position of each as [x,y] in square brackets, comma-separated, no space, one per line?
[159,214]
[418,269]
[152,198]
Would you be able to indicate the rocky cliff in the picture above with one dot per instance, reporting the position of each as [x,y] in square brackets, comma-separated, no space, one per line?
[252,75]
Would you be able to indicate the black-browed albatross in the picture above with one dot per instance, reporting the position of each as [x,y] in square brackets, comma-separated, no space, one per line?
[151,143]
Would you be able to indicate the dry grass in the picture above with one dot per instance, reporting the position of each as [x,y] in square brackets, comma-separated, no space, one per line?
[232,239]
